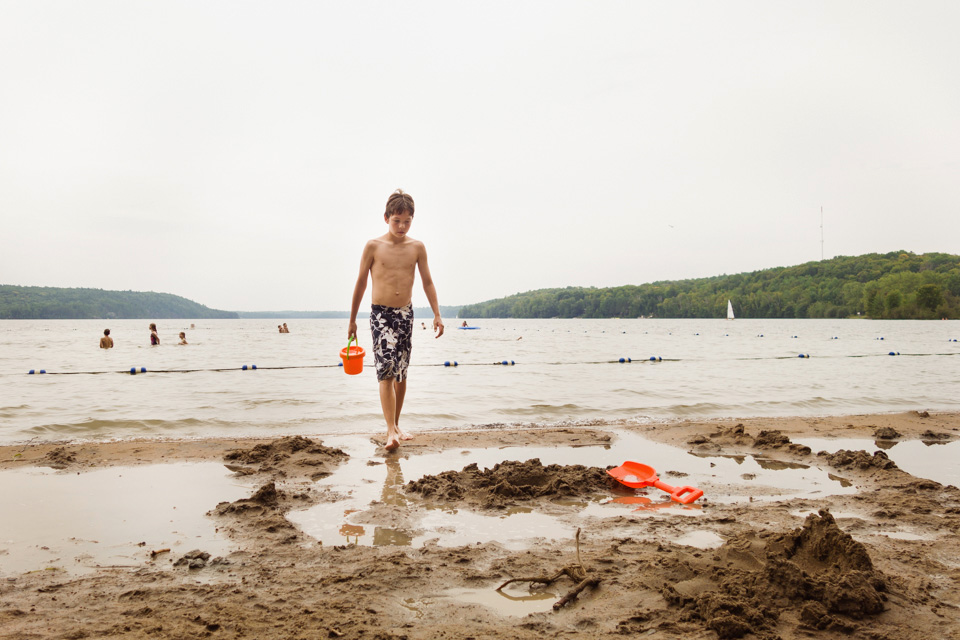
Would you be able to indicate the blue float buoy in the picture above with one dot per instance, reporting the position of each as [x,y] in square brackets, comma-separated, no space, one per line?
[43,370]
[143,369]
[339,364]
[629,360]
[504,363]
[804,355]
[446,363]
[133,371]
[253,366]
[622,360]
[31,372]
[512,363]
[243,368]
[455,363]
[655,358]
[894,353]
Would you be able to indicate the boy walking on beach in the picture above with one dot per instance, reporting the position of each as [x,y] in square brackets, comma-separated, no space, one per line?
[391,260]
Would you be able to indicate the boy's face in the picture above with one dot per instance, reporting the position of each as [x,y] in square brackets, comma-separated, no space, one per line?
[399,224]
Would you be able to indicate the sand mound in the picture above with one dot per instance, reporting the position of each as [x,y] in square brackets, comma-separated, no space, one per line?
[817,570]
[294,455]
[512,481]
[858,460]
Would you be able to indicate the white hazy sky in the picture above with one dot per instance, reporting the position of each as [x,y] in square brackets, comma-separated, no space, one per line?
[240,153]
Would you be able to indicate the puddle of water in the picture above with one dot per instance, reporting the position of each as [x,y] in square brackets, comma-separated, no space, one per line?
[369,479]
[78,522]
[902,535]
[514,600]
[700,540]
[937,461]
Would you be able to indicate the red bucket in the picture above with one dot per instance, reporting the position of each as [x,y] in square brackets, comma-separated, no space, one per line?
[352,358]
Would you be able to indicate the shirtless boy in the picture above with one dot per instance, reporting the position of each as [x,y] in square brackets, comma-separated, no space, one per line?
[106,342]
[391,260]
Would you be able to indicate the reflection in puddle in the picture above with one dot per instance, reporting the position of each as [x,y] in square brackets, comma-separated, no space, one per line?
[935,460]
[843,481]
[778,465]
[78,522]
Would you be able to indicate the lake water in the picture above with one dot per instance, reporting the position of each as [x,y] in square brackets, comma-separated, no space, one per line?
[565,371]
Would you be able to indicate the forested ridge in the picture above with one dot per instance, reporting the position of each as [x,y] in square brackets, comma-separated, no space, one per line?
[897,285]
[52,303]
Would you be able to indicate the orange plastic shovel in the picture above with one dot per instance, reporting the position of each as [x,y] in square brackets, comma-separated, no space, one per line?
[636,475]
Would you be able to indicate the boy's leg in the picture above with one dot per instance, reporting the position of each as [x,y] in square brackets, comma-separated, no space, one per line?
[388,403]
[400,389]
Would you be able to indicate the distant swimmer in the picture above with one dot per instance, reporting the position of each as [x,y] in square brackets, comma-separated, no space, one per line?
[464,324]
[106,342]
[183,338]
[154,336]
[285,329]
[423,325]
[392,261]
[280,328]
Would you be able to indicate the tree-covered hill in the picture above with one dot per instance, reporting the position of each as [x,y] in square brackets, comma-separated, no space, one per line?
[893,285]
[50,303]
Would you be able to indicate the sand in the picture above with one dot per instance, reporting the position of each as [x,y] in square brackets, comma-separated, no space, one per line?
[771,567]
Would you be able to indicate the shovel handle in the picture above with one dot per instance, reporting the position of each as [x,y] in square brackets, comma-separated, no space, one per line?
[353,338]
[683,495]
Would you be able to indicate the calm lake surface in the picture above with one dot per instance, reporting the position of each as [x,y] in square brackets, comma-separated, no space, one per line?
[565,371]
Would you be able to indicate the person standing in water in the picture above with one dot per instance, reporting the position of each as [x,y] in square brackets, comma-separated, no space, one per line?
[154,336]
[106,342]
[392,261]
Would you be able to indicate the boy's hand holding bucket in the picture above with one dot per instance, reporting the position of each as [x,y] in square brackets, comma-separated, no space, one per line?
[352,357]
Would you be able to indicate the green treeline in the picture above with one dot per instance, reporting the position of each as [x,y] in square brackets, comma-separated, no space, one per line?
[897,285]
[50,303]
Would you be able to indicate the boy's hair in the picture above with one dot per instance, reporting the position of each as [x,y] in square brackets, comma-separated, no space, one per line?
[106,332]
[399,202]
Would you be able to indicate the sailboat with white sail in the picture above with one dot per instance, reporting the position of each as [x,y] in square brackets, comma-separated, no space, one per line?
[729,310]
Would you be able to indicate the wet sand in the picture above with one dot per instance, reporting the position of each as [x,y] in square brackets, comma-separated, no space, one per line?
[298,538]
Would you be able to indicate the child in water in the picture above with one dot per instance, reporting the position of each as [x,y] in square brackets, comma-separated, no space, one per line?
[392,261]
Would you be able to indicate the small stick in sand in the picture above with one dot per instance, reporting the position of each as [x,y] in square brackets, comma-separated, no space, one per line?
[576,572]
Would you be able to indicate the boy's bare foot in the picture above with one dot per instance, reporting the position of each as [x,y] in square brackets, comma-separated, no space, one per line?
[404,435]
[393,442]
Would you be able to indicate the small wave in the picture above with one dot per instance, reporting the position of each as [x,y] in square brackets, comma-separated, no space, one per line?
[122,428]
[11,412]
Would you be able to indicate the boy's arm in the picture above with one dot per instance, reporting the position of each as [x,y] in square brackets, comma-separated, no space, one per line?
[430,290]
[366,262]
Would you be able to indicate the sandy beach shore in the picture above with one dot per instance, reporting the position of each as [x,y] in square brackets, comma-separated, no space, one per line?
[877,557]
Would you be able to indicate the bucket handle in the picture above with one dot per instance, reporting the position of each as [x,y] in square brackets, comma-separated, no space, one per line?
[353,338]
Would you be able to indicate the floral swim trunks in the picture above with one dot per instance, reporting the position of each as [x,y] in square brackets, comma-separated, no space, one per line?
[392,329]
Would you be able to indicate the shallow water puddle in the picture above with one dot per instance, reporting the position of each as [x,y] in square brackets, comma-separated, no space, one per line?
[374,486]
[78,522]
[511,601]
[514,600]
[933,460]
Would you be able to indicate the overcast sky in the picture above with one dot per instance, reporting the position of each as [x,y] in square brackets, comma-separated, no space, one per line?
[241,153]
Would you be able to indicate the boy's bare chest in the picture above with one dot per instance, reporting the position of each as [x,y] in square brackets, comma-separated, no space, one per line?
[395,258]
